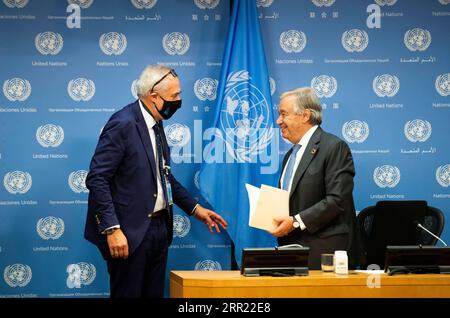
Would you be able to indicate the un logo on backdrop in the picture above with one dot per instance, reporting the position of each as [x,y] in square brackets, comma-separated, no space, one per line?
[386,85]
[113,43]
[181,225]
[176,43]
[273,85]
[386,176]
[17,89]
[206,88]
[17,182]
[264,3]
[17,275]
[50,227]
[144,4]
[442,84]
[355,40]
[444,2]
[133,89]
[417,130]
[15,3]
[81,89]
[82,3]
[177,135]
[49,43]
[245,118]
[206,4]
[417,39]
[208,265]
[50,135]
[324,85]
[386,2]
[77,181]
[292,41]
[443,175]
[355,131]
[80,274]
[323,3]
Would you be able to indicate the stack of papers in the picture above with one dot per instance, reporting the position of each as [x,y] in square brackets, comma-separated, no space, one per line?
[266,204]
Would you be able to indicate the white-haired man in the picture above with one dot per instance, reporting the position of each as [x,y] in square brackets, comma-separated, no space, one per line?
[318,172]
[132,189]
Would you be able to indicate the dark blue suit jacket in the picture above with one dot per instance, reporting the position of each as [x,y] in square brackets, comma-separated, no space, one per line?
[122,181]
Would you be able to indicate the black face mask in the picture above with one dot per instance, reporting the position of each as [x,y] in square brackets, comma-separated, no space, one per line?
[169,108]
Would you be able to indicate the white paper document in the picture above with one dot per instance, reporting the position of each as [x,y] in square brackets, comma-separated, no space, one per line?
[266,204]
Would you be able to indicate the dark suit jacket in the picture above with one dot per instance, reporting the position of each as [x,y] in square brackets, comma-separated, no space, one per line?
[122,181]
[322,193]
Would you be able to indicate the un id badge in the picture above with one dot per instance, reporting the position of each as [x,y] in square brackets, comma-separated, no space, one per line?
[169,192]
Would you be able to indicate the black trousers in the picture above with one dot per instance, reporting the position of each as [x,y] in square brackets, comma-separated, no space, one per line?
[142,275]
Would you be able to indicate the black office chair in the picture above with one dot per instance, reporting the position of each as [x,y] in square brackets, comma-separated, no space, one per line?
[395,223]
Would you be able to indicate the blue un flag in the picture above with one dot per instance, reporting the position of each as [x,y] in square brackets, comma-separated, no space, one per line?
[243,144]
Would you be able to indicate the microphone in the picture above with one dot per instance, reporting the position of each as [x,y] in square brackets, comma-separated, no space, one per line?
[420,226]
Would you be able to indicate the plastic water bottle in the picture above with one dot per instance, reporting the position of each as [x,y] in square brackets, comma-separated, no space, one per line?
[341,262]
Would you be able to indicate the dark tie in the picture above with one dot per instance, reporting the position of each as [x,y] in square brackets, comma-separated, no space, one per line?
[290,167]
[159,149]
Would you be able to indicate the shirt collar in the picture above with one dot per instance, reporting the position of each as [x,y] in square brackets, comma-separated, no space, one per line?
[307,136]
[148,118]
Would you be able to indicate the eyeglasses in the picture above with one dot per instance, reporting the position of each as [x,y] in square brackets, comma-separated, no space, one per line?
[172,71]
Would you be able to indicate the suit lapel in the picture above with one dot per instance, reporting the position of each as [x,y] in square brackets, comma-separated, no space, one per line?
[310,152]
[145,137]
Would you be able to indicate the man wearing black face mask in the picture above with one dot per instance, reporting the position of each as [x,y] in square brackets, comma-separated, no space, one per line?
[132,189]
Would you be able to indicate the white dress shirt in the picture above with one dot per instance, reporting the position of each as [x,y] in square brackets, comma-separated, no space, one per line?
[150,122]
[303,144]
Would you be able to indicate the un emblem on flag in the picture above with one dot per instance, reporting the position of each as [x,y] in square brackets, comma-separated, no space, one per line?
[77,181]
[417,39]
[17,182]
[206,88]
[177,135]
[144,4]
[444,2]
[113,43]
[17,275]
[292,41]
[324,85]
[81,89]
[206,4]
[82,3]
[386,85]
[197,180]
[264,3]
[181,225]
[355,131]
[386,176]
[442,84]
[133,89]
[355,40]
[15,3]
[208,265]
[80,274]
[17,89]
[323,3]
[50,135]
[417,130]
[385,2]
[443,175]
[176,43]
[245,118]
[50,227]
[49,43]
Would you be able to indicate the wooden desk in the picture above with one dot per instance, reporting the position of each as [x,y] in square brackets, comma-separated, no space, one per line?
[230,284]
